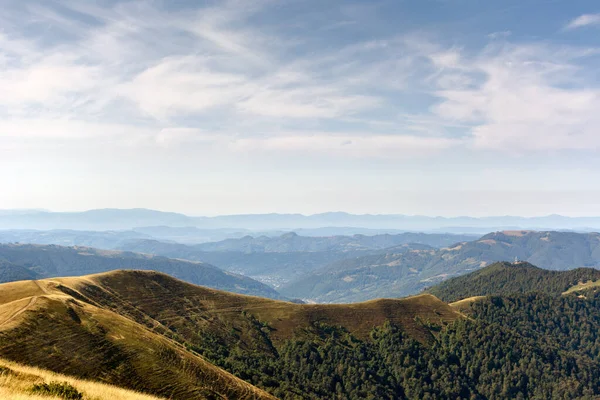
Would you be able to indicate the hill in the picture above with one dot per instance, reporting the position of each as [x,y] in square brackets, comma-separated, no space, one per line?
[143,330]
[396,274]
[49,325]
[37,261]
[19,382]
[147,331]
[505,278]
[10,272]
[292,242]
[272,267]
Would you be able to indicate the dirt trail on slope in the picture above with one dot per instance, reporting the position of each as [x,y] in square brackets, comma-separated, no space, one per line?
[32,301]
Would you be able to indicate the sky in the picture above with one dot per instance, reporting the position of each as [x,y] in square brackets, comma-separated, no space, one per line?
[432,107]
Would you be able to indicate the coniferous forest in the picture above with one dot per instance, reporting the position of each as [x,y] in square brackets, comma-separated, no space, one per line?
[529,346]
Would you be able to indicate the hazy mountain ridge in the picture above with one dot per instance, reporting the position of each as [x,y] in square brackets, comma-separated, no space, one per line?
[401,274]
[119,219]
[292,242]
[272,267]
[51,261]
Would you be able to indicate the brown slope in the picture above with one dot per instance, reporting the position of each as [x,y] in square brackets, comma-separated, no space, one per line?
[161,302]
[44,326]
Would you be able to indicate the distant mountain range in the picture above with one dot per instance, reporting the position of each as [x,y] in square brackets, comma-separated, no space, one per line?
[401,273]
[26,261]
[118,219]
[277,260]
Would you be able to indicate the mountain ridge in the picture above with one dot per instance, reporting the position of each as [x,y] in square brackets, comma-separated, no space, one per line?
[51,260]
[106,219]
[400,274]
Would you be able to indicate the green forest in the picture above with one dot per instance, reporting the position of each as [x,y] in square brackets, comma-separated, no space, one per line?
[528,346]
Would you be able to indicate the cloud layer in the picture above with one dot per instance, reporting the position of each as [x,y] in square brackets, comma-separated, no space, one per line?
[231,76]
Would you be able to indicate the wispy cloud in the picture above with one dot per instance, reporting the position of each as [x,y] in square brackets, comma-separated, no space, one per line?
[224,74]
[527,98]
[584,20]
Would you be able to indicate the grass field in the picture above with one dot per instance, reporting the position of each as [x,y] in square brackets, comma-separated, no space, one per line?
[17,380]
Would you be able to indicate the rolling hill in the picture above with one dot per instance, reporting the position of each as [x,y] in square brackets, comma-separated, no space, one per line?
[144,330]
[292,242]
[48,324]
[38,261]
[395,274]
[505,278]
[149,332]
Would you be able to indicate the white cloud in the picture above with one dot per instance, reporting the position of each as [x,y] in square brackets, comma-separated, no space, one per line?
[584,20]
[177,75]
[525,101]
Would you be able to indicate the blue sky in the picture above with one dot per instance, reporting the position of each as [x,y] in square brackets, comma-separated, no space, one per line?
[445,107]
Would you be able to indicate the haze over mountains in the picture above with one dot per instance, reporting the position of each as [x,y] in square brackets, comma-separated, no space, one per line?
[401,273]
[120,219]
[24,261]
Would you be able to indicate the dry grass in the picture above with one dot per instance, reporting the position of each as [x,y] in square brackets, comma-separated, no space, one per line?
[464,304]
[76,337]
[582,286]
[17,380]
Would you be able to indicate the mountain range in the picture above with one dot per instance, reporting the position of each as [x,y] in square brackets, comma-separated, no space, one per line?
[127,219]
[26,261]
[277,260]
[400,273]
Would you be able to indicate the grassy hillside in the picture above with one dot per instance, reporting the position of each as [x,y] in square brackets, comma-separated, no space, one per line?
[142,330]
[149,332]
[41,261]
[19,382]
[49,325]
[506,278]
[403,273]
[191,311]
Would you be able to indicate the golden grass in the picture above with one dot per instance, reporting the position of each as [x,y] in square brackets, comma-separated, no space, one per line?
[15,385]
[464,304]
[582,286]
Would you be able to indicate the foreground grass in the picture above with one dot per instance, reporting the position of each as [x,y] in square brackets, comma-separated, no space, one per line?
[16,382]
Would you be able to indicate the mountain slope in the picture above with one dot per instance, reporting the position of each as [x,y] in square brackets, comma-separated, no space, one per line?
[17,382]
[143,330]
[272,267]
[47,261]
[10,272]
[292,242]
[135,329]
[505,279]
[40,325]
[399,274]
